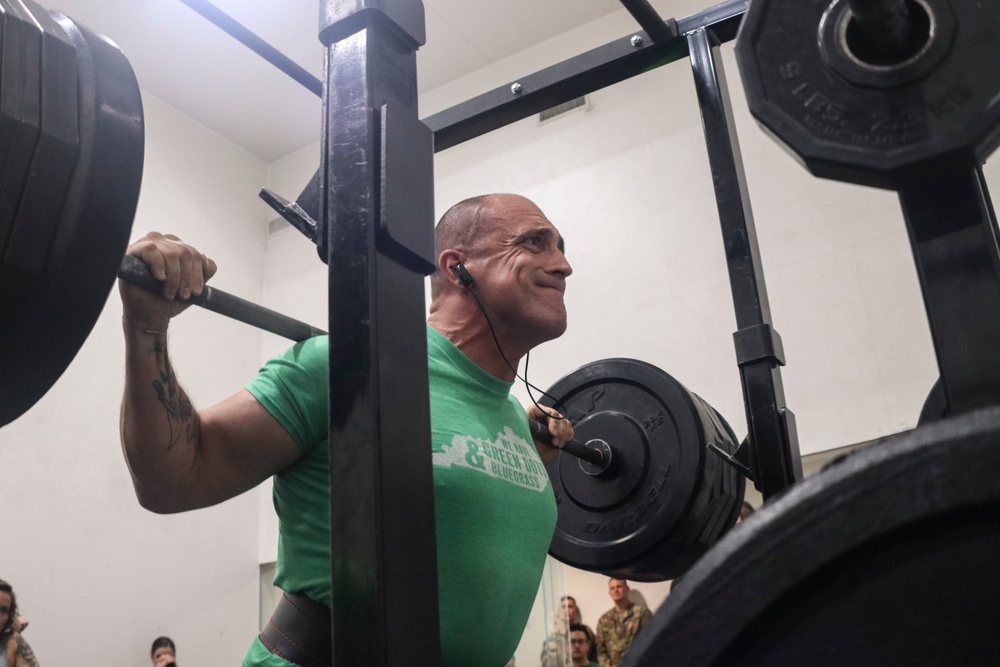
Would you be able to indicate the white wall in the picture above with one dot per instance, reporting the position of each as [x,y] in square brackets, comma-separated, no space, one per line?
[99,576]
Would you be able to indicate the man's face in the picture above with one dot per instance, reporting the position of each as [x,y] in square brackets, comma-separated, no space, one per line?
[571,611]
[5,604]
[520,271]
[580,646]
[163,655]
[618,590]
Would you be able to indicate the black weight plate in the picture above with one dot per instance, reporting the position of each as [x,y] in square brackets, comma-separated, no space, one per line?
[887,557]
[44,189]
[874,125]
[665,498]
[20,108]
[5,224]
[5,116]
[94,226]
[935,405]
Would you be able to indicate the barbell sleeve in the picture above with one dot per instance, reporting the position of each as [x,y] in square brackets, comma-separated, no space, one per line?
[587,453]
[134,271]
[885,24]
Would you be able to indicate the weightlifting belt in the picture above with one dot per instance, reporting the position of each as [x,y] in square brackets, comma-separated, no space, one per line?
[299,631]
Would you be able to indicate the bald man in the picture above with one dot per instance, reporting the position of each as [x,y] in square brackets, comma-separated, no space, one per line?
[497,293]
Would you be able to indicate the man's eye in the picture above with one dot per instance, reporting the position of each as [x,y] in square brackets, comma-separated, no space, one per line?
[533,240]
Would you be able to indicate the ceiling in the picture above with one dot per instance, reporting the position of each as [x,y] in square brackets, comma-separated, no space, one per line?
[182,59]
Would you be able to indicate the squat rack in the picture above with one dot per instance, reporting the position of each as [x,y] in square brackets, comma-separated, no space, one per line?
[373,200]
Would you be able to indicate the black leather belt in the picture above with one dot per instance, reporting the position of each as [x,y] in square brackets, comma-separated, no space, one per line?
[299,631]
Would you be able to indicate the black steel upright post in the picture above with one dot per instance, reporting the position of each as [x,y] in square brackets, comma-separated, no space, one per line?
[772,443]
[952,229]
[376,232]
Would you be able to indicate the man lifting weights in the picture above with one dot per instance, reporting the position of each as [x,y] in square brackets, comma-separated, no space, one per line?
[498,247]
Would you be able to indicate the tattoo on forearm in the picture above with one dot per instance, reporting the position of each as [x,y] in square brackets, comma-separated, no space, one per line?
[177,406]
[24,651]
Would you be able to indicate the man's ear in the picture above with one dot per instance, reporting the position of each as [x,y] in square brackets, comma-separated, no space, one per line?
[447,260]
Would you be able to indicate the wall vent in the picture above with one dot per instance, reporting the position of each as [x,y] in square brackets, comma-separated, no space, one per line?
[580,103]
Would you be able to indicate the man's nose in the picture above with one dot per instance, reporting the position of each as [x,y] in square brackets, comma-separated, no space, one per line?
[562,265]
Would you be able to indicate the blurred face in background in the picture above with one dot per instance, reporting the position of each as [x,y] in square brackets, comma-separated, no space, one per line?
[163,656]
[618,590]
[571,610]
[580,647]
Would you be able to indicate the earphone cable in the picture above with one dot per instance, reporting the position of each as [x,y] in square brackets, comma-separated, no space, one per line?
[527,385]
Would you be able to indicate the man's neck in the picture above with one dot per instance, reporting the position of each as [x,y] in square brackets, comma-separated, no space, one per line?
[476,342]
[622,605]
[581,663]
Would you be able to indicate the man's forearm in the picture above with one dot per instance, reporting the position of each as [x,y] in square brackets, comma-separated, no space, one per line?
[160,431]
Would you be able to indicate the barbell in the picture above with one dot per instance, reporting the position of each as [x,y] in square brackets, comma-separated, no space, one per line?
[645,493]
[661,494]
[133,270]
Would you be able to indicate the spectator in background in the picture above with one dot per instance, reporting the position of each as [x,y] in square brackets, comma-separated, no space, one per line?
[14,651]
[745,511]
[568,614]
[619,625]
[163,653]
[570,610]
[580,644]
[562,617]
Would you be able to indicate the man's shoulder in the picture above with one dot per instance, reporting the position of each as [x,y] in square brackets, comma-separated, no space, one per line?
[609,614]
[637,610]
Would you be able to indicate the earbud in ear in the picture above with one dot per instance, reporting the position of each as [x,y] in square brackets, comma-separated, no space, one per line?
[462,274]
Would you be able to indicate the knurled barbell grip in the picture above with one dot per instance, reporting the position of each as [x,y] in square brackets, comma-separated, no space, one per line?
[589,454]
[133,270]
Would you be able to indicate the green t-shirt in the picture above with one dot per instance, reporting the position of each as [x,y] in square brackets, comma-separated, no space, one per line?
[494,506]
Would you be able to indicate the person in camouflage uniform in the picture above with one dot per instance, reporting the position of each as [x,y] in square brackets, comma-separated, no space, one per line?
[619,625]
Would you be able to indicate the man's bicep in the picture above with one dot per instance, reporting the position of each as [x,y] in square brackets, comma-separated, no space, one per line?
[243,444]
